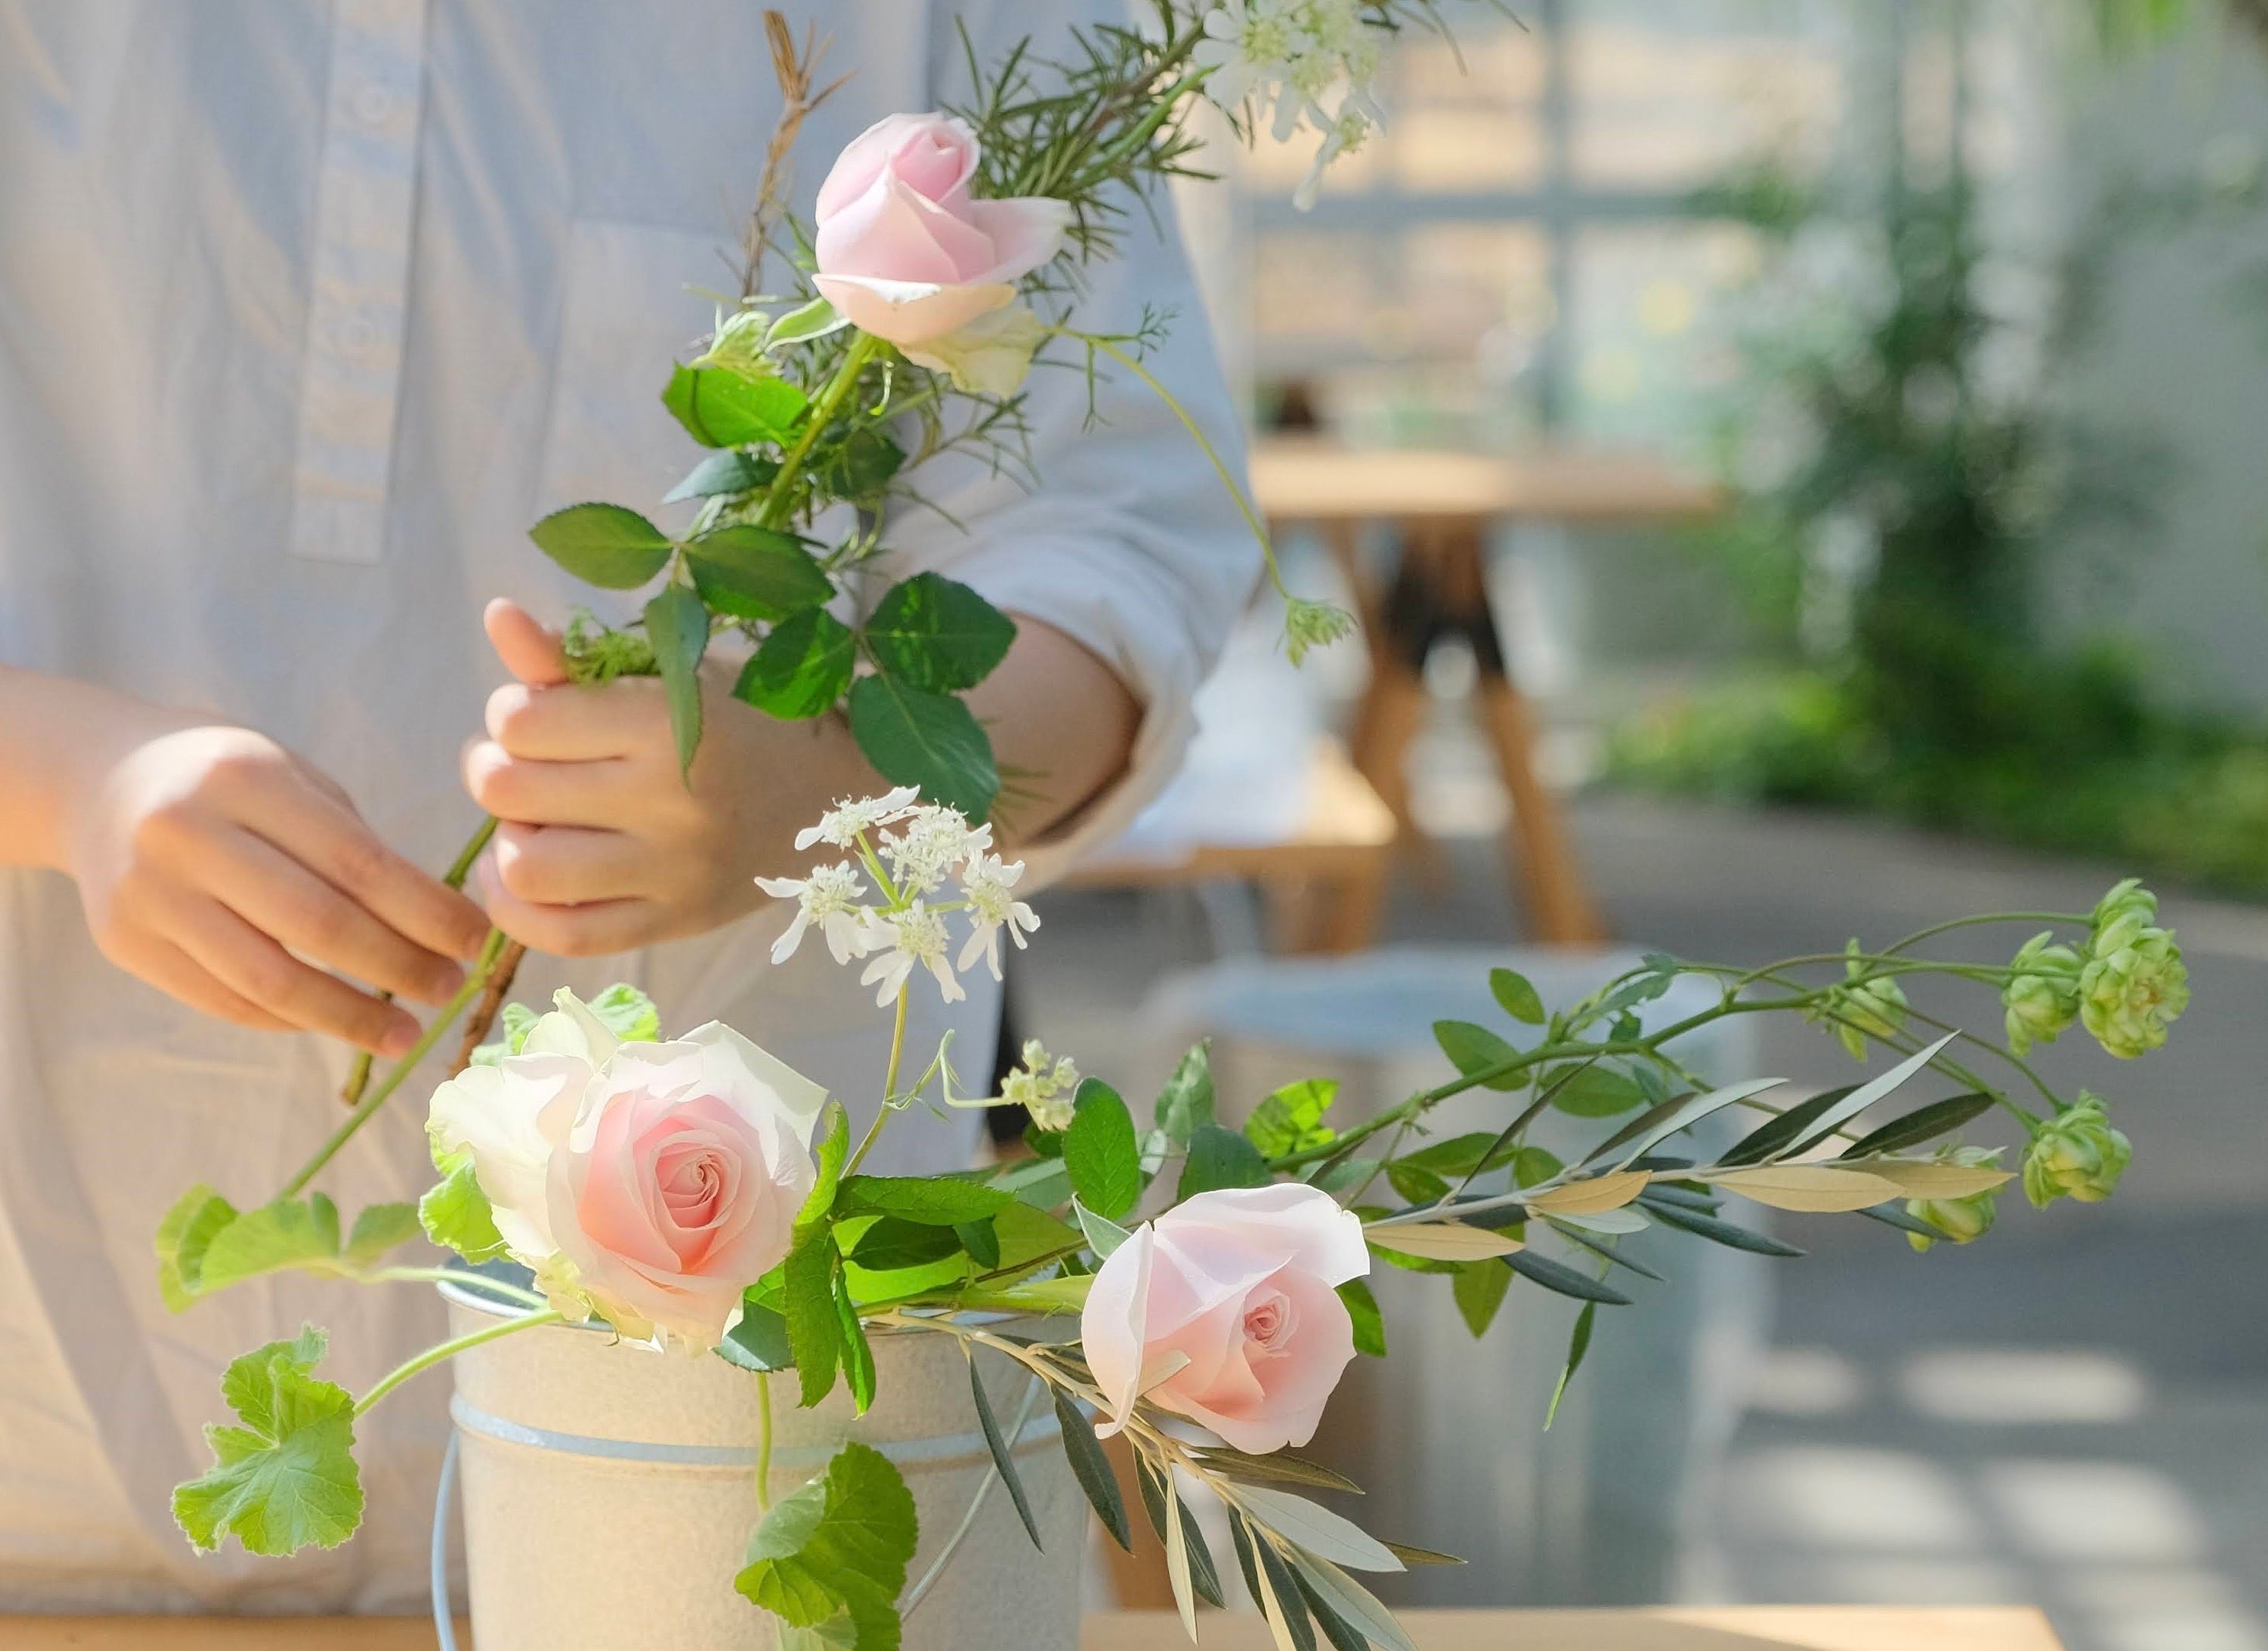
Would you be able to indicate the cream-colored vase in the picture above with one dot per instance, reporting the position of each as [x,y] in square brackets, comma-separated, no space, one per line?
[609,1491]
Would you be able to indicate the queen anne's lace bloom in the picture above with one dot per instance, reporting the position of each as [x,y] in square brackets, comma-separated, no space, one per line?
[989,884]
[829,897]
[934,841]
[1044,1089]
[842,824]
[906,941]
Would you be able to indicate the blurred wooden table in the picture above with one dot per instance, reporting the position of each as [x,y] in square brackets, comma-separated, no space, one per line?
[1763,1628]
[1442,507]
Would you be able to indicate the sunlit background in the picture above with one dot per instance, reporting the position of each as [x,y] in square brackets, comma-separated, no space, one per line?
[1869,400]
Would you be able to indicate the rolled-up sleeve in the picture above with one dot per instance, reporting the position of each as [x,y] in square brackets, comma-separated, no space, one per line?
[1108,522]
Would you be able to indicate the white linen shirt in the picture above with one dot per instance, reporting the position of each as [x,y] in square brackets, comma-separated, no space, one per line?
[307,311]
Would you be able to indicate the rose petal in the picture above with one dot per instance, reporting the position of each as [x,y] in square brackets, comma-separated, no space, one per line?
[910,312]
[1024,233]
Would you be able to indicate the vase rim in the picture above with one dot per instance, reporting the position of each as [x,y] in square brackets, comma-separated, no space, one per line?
[495,1306]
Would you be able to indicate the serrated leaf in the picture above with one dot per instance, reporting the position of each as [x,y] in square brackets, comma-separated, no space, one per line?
[720,407]
[752,573]
[1442,1241]
[1185,1104]
[860,466]
[940,1202]
[936,634]
[759,1341]
[1474,1050]
[456,1215]
[379,1228]
[197,1217]
[1100,1153]
[1479,1289]
[1003,1461]
[724,473]
[891,1243]
[1291,1120]
[605,545]
[1218,1157]
[802,669]
[857,1356]
[815,1332]
[1562,1280]
[982,1241]
[678,626]
[1578,1346]
[1921,1126]
[291,1233]
[1103,1234]
[1369,1323]
[626,1012]
[830,1145]
[1516,996]
[838,1547]
[931,741]
[1091,1468]
[286,1479]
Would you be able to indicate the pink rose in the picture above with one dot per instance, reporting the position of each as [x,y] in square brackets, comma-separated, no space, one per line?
[651,1183]
[904,251]
[1241,1284]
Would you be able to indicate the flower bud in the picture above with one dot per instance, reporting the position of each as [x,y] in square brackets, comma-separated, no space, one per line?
[1861,1008]
[1308,626]
[2133,984]
[2076,1155]
[2041,995]
[1963,1221]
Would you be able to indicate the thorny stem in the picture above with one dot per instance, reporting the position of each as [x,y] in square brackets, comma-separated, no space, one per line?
[432,1356]
[369,1103]
[461,868]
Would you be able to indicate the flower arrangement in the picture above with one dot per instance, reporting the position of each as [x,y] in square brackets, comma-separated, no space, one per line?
[1199,1274]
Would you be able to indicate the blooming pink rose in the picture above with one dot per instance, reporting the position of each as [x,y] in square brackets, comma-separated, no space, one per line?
[651,1183]
[1241,1283]
[904,251]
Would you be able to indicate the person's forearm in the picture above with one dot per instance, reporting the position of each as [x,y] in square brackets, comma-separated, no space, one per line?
[51,729]
[1062,728]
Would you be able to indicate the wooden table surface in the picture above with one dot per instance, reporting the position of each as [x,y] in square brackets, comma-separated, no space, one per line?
[1757,1628]
[1299,479]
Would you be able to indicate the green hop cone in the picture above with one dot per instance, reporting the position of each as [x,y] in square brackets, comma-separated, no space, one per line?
[1861,1008]
[2133,983]
[2076,1155]
[2041,995]
[1963,1221]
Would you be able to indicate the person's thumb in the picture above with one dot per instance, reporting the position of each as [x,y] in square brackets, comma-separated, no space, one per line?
[529,652]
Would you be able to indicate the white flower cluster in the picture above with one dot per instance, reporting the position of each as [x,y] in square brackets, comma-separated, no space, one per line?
[1311,62]
[908,850]
[1042,1088]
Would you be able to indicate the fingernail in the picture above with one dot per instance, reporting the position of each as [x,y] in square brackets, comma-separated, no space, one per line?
[399,1040]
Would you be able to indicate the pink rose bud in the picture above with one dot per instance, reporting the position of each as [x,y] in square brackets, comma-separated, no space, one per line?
[904,250]
[1234,1292]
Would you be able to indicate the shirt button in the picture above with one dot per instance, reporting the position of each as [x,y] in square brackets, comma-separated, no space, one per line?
[373,104]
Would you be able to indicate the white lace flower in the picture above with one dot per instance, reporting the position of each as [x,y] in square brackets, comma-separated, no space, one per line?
[1353,123]
[934,841]
[908,939]
[988,883]
[1249,45]
[829,897]
[842,824]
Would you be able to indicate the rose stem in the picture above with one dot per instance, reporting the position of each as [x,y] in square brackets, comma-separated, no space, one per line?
[491,1003]
[461,869]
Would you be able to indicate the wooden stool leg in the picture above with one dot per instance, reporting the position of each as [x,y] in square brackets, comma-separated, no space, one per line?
[1393,713]
[1544,860]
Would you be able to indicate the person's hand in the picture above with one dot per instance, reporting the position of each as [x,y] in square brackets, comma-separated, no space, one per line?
[602,846]
[222,869]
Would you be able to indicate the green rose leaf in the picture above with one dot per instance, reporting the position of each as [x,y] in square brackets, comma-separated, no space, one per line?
[858,1357]
[861,465]
[1185,1104]
[830,1145]
[605,545]
[1516,996]
[815,1332]
[802,668]
[1100,1151]
[723,473]
[286,1479]
[1221,1157]
[720,407]
[623,1010]
[1473,1050]
[936,634]
[1292,1119]
[759,1341]
[915,738]
[197,1217]
[752,573]
[678,625]
[838,1547]
[1369,1323]
[891,1243]
[940,1202]
[456,1215]
[801,325]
